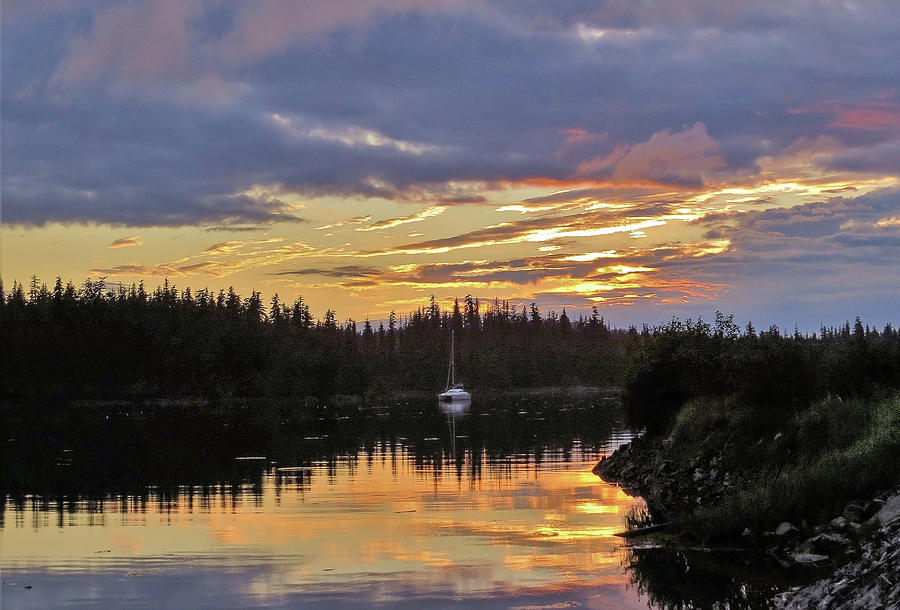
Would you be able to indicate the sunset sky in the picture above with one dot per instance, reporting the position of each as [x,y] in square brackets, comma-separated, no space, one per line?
[652,158]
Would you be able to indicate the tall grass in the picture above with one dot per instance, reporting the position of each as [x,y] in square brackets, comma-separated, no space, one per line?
[824,457]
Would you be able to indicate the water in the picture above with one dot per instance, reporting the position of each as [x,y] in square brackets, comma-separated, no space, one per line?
[285,506]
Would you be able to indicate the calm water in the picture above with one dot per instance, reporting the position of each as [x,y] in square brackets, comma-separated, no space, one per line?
[354,507]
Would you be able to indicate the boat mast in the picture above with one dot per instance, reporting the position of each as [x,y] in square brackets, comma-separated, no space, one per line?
[452,360]
[450,374]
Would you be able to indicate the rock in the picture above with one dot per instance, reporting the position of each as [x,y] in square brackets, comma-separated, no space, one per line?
[827,543]
[838,523]
[890,511]
[809,557]
[854,511]
[784,528]
[870,580]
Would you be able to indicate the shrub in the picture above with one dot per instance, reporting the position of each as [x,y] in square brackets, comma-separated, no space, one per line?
[843,450]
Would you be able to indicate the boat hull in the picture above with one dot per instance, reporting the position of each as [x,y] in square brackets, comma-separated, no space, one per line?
[454,395]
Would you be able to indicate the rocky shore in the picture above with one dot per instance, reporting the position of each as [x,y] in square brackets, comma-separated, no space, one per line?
[670,485]
[870,581]
[859,548]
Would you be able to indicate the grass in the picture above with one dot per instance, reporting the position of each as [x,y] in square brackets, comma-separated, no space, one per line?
[637,518]
[806,466]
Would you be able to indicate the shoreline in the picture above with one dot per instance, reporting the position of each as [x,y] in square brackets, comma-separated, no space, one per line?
[610,392]
[854,556]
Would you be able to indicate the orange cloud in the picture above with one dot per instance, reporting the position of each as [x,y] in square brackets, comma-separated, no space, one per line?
[227,247]
[434,210]
[875,115]
[577,141]
[161,270]
[226,258]
[540,230]
[356,220]
[126,242]
[223,247]
[689,156]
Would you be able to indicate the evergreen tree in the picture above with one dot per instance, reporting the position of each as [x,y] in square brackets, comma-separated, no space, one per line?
[565,326]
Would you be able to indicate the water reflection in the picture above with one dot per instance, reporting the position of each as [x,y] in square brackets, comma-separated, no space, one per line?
[128,450]
[401,504]
[494,527]
[674,579]
[360,506]
[453,409]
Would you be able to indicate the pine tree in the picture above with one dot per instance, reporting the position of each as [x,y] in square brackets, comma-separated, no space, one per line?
[275,314]
[565,326]
[456,319]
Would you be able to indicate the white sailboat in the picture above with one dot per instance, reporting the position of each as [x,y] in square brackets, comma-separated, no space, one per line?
[455,391]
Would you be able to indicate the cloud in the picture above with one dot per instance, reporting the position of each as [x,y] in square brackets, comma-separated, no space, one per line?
[344,271]
[735,124]
[636,274]
[125,242]
[825,251]
[818,219]
[878,114]
[356,220]
[435,210]
[161,113]
[227,258]
[532,230]
[224,247]
[826,247]
[160,270]
[228,247]
[350,136]
[177,39]
[583,122]
[234,229]
[154,34]
[689,156]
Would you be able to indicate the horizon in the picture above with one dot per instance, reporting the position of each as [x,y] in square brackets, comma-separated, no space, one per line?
[484,306]
[660,162]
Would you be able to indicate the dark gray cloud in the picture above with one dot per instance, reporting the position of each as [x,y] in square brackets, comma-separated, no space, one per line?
[147,113]
[234,229]
[345,271]
[818,219]
[808,262]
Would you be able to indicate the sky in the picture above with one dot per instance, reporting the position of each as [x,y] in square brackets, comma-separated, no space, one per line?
[650,158]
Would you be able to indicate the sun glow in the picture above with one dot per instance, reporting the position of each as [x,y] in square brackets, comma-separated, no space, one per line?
[592,256]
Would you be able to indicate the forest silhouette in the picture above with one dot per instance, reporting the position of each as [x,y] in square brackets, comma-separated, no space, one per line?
[92,342]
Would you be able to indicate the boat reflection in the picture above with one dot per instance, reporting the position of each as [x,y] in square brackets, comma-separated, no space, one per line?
[454,408]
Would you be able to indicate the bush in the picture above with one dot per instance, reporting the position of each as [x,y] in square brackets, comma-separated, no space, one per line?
[842,450]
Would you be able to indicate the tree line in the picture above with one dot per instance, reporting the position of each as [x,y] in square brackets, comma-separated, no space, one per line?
[99,341]
[775,374]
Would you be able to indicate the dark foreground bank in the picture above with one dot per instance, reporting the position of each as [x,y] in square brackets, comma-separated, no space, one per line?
[818,492]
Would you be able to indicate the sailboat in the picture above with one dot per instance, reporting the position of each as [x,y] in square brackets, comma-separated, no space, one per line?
[455,391]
